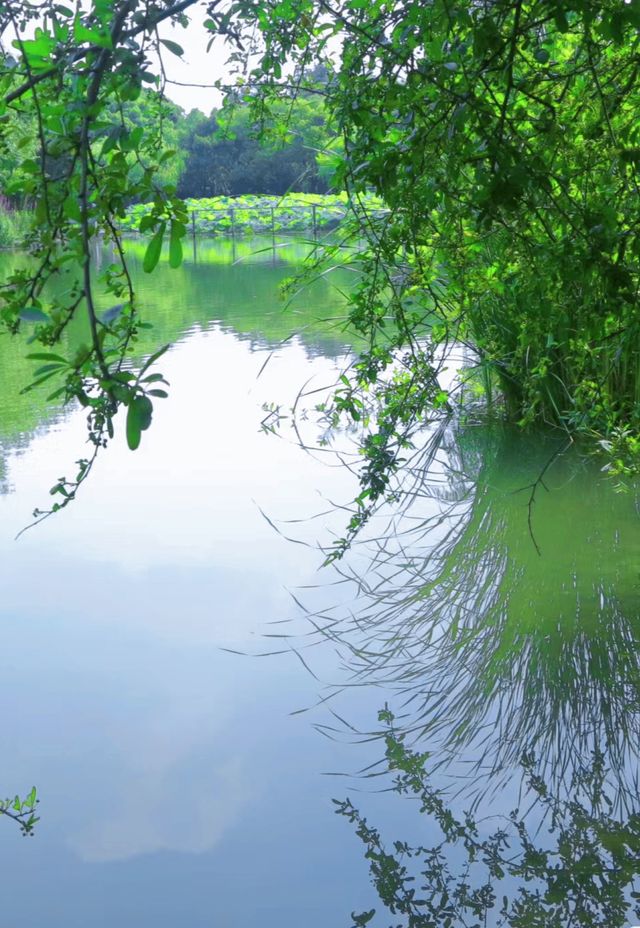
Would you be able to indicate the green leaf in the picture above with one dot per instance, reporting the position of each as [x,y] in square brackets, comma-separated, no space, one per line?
[363,918]
[112,139]
[130,141]
[57,394]
[42,379]
[46,356]
[175,244]
[46,368]
[153,358]
[71,208]
[33,314]
[82,34]
[139,416]
[36,50]
[134,429]
[145,411]
[173,47]
[154,249]
[146,223]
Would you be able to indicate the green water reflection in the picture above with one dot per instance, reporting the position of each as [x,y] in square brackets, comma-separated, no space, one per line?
[486,643]
[495,642]
[232,284]
[170,772]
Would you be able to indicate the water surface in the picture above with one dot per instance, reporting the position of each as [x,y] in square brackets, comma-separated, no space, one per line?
[177,788]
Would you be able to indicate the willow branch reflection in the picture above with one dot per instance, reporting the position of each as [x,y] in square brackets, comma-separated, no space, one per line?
[491,649]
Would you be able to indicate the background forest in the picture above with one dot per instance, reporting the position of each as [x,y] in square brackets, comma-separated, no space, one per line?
[225,153]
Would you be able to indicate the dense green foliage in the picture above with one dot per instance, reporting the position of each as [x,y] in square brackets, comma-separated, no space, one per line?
[585,873]
[232,152]
[501,135]
[227,153]
[504,138]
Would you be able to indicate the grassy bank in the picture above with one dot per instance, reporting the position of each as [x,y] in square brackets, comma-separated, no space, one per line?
[252,213]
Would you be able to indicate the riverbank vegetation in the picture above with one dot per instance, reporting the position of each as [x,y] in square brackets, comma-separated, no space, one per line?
[503,139]
[231,168]
[14,226]
[207,159]
[254,214]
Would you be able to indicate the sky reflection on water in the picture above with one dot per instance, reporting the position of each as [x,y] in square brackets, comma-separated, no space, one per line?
[176,788]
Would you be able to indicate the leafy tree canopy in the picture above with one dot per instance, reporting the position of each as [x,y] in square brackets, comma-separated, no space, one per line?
[502,135]
[236,151]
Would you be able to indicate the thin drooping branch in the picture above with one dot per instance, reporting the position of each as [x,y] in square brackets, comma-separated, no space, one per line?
[79,54]
[93,92]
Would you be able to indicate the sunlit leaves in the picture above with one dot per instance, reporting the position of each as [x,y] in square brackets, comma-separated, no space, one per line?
[501,136]
[83,34]
[154,249]
[37,51]
[178,231]
[22,811]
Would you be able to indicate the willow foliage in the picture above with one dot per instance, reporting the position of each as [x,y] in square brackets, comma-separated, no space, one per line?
[503,137]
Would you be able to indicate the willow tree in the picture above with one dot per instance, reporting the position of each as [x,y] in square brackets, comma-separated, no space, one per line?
[503,137]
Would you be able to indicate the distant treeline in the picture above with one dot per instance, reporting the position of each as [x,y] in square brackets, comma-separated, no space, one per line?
[224,153]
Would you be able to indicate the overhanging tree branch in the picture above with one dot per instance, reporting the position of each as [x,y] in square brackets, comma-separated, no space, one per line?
[78,55]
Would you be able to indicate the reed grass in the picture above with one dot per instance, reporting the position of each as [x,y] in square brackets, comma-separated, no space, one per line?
[14,226]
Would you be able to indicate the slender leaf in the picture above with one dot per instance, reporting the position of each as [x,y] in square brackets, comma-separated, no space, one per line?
[154,249]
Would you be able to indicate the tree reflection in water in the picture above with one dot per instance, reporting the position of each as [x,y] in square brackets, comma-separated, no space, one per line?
[489,647]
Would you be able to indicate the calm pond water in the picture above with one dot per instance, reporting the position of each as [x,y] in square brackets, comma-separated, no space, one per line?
[177,787]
